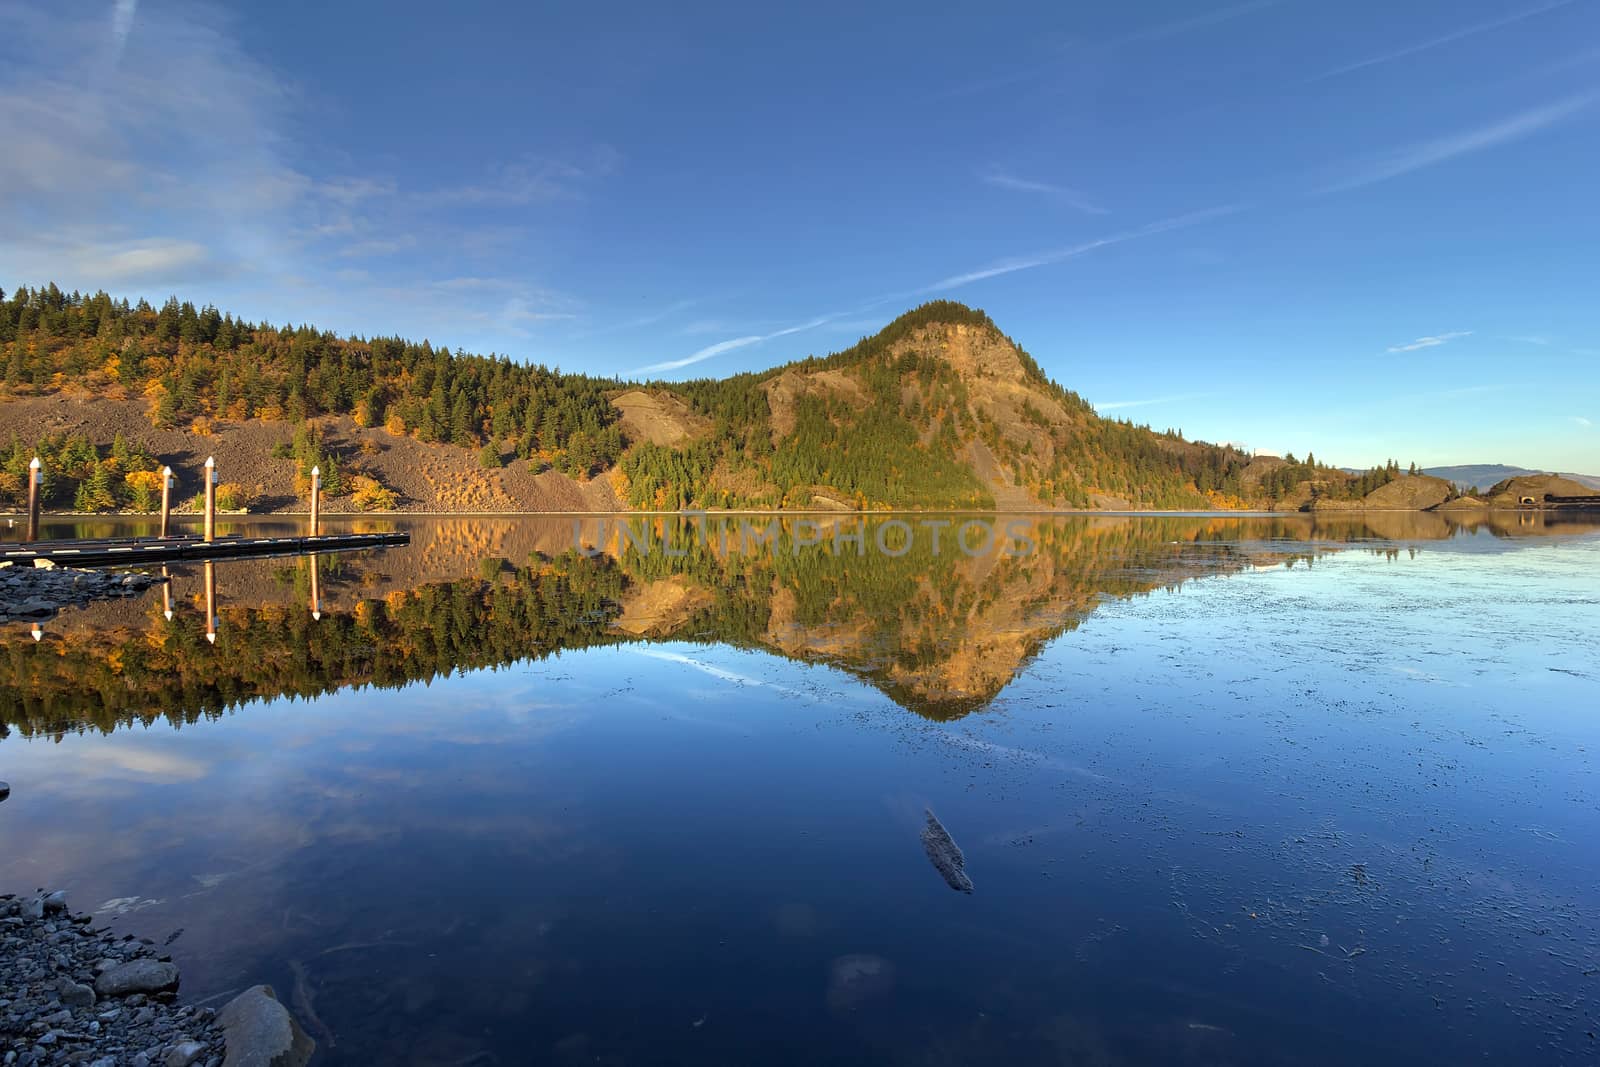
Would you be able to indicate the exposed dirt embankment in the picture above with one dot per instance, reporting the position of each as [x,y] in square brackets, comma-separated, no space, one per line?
[1408,492]
[659,417]
[1513,491]
[428,477]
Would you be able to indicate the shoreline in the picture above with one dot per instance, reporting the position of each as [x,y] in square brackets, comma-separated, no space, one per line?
[38,591]
[111,516]
[77,993]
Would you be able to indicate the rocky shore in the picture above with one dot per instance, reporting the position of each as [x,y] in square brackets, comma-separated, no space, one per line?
[39,591]
[76,994]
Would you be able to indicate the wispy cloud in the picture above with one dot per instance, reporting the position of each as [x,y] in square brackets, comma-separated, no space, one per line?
[1430,342]
[1436,42]
[701,355]
[720,347]
[1205,19]
[1071,197]
[1472,390]
[1011,266]
[122,13]
[1581,421]
[532,179]
[379,246]
[1117,405]
[955,281]
[1439,150]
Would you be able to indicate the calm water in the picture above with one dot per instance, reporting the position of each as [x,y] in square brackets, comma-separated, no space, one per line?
[1231,791]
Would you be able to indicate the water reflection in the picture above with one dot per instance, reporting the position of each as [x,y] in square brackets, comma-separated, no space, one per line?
[505,803]
[941,629]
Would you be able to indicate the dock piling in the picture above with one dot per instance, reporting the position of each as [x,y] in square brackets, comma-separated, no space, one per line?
[166,500]
[316,498]
[35,483]
[211,601]
[211,499]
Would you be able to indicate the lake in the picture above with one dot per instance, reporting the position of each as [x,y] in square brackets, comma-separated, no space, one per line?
[1230,790]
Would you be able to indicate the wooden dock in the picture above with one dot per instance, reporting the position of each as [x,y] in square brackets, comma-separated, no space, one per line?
[136,551]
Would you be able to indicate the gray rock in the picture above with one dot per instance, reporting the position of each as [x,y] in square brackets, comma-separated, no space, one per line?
[260,1032]
[137,976]
[33,908]
[56,901]
[74,995]
[5,790]
[184,1053]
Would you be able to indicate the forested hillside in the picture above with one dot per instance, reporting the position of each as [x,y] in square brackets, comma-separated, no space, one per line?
[938,410]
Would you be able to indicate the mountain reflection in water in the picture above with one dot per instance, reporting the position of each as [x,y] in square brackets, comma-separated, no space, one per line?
[939,630]
[1229,790]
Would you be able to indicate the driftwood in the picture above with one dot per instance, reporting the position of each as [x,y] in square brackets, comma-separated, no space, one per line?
[945,854]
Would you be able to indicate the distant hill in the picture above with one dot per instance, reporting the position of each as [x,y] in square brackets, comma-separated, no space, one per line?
[939,409]
[1485,476]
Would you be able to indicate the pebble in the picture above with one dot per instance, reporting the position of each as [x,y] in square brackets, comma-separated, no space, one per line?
[49,1011]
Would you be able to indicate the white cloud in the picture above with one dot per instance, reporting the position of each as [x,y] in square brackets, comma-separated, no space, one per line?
[532,179]
[1430,342]
[1206,19]
[737,342]
[702,355]
[1581,421]
[1071,197]
[1442,149]
[1116,405]
[122,13]
[1011,266]
[1007,266]
[148,149]
[379,246]
[1454,35]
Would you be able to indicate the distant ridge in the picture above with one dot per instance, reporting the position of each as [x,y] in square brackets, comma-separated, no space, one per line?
[1486,475]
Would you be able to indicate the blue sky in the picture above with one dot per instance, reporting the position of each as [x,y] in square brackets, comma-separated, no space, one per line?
[1367,229]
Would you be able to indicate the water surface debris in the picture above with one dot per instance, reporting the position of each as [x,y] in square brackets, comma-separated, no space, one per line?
[945,854]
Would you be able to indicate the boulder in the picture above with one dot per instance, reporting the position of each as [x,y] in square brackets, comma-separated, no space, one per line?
[74,995]
[260,1032]
[137,976]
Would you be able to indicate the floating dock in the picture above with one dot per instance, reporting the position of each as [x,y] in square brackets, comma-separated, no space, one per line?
[136,551]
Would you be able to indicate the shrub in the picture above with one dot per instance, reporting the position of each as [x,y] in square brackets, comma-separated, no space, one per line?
[231,496]
[370,495]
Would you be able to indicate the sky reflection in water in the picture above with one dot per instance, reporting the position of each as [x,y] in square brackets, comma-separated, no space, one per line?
[1284,814]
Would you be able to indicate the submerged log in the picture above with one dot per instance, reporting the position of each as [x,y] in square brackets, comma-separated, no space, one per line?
[945,854]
